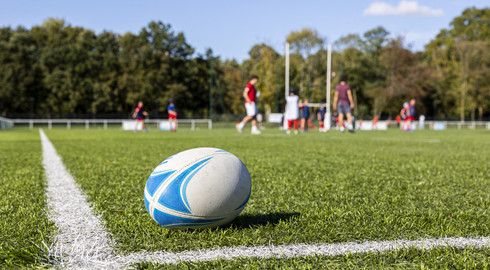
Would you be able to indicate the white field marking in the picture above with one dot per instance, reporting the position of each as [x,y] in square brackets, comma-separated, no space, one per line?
[81,240]
[406,140]
[295,250]
[83,243]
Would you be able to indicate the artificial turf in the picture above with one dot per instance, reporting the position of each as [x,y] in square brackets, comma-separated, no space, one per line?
[309,188]
[25,231]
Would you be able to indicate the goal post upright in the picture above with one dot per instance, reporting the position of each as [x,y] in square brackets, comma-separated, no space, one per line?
[286,79]
[329,76]
[286,83]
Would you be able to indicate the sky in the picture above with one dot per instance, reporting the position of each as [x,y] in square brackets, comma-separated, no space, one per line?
[230,28]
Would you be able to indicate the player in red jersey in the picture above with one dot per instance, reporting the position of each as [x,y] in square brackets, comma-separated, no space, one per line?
[172,115]
[404,113]
[398,119]
[375,122]
[138,115]
[250,95]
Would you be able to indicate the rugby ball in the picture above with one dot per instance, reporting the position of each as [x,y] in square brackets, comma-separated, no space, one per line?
[197,188]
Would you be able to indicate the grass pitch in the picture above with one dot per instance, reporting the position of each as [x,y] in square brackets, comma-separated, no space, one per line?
[309,188]
[25,231]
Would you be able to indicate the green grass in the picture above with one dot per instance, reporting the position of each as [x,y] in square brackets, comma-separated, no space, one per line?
[310,188]
[441,258]
[24,227]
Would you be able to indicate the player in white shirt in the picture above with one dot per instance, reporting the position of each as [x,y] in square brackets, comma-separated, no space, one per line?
[292,111]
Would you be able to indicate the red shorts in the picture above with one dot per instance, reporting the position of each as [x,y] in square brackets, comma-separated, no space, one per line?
[139,119]
[172,117]
[411,118]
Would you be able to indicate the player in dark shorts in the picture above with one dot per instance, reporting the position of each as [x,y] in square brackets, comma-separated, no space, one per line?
[139,116]
[305,115]
[320,114]
[411,113]
[343,101]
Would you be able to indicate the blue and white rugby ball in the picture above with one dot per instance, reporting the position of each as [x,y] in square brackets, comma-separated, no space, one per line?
[197,188]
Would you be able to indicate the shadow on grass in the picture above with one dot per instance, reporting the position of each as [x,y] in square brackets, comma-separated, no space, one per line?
[246,221]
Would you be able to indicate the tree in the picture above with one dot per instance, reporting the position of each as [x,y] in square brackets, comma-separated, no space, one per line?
[458,54]
[406,77]
[375,40]
[304,42]
[57,70]
[351,41]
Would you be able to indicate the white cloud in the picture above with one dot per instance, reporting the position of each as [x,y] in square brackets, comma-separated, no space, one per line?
[404,8]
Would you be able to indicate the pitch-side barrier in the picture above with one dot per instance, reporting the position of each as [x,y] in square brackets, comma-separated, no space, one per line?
[6,123]
[434,125]
[105,122]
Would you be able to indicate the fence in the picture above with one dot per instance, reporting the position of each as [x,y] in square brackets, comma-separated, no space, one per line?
[6,123]
[104,122]
[459,125]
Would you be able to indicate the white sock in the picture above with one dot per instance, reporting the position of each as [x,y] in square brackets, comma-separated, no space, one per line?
[254,128]
[241,125]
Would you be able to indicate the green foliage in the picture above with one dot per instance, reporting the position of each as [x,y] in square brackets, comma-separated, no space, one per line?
[461,61]
[303,43]
[56,70]
[311,188]
[25,232]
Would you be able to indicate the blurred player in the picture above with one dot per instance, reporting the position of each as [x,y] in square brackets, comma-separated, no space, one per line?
[411,113]
[320,115]
[343,95]
[260,120]
[404,115]
[335,119]
[292,111]
[421,121]
[172,115]
[250,95]
[375,121]
[139,116]
[398,120]
[305,115]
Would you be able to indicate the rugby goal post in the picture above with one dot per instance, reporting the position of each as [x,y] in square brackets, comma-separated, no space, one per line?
[328,85]
[329,76]
[286,86]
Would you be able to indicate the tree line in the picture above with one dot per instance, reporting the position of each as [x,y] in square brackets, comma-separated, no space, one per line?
[57,70]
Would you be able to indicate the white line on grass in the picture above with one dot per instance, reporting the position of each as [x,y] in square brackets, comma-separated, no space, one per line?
[406,140]
[285,251]
[82,241]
